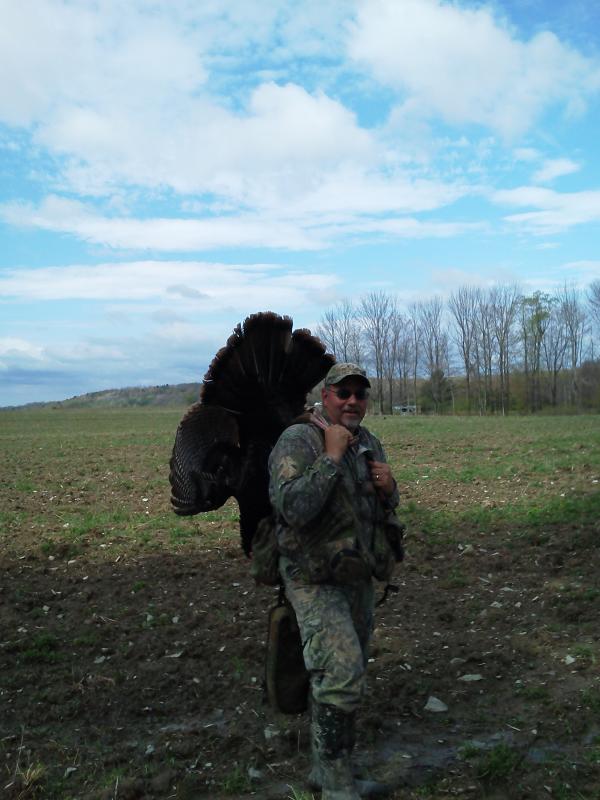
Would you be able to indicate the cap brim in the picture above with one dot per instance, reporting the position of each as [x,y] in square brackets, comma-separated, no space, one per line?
[352,375]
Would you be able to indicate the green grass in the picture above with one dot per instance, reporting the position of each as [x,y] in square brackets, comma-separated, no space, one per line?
[573,510]
[584,652]
[534,693]
[591,699]
[236,781]
[297,794]
[41,649]
[239,667]
[456,580]
[469,751]
[497,764]
[88,640]
[593,753]
[77,458]
[491,448]
[577,593]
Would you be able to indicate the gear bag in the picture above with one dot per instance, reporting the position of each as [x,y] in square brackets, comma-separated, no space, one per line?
[286,677]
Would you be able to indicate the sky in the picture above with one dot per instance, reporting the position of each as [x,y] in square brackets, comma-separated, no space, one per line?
[168,167]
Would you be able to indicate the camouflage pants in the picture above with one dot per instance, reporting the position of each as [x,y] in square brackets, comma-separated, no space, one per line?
[336,623]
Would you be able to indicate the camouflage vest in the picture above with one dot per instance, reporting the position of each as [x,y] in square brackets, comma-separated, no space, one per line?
[328,548]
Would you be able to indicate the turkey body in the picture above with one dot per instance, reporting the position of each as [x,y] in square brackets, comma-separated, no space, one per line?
[254,388]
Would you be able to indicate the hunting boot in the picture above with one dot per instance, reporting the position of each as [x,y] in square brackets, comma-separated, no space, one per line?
[346,739]
[331,753]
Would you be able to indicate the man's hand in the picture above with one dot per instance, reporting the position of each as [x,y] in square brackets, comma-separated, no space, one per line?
[337,441]
[382,477]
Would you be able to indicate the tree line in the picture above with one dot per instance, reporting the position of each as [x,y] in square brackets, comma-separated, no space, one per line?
[494,350]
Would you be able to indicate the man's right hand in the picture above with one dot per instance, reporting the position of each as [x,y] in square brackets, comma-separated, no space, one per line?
[337,441]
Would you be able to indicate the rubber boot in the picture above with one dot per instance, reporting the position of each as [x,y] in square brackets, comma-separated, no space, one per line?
[331,747]
[346,737]
[315,776]
[365,787]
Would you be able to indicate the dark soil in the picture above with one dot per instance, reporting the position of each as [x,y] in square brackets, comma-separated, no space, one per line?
[141,677]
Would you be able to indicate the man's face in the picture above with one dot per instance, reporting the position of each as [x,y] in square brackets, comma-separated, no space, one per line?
[343,408]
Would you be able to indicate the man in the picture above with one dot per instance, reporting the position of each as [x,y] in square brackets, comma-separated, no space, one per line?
[332,491]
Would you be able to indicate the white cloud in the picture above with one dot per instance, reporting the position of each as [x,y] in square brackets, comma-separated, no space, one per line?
[348,202]
[14,347]
[64,55]
[466,65]
[526,154]
[86,352]
[446,281]
[173,332]
[127,98]
[219,286]
[353,191]
[408,228]
[162,234]
[555,212]
[585,271]
[284,138]
[181,290]
[164,96]
[555,168]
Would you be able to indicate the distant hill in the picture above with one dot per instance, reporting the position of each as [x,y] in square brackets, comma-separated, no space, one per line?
[181,394]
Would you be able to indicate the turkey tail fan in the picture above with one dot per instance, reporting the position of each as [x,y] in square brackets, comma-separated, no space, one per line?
[269,336]
[247,370]
[306,364]
[205,463]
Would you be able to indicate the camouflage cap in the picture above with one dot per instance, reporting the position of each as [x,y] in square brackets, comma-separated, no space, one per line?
[345,370]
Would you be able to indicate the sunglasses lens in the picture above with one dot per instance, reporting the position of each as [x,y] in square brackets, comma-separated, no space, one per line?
[345,394]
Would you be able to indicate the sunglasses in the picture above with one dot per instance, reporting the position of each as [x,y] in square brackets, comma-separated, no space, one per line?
[346,394]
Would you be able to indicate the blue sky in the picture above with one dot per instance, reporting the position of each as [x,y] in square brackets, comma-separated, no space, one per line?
[169,167]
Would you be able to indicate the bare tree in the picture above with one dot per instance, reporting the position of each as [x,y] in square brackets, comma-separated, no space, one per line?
[435,346]
[349,334]
[575,325]
[340,332]
[404,353]
[415,345]
[356,352]
[484,352]
[503,305]
[534,319]
[463,307]
[491,331]
[593,298]
[554,347]
[396,352]
[327,331]
[375,311]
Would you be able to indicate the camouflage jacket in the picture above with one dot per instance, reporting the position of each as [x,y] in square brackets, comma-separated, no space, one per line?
[307,487]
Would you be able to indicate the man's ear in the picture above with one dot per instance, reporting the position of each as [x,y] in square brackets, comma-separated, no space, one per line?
[323,393]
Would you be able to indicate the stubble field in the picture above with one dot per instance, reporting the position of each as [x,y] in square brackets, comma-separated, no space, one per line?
[132,642]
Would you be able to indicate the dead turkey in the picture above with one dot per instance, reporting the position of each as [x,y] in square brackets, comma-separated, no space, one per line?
[254,388]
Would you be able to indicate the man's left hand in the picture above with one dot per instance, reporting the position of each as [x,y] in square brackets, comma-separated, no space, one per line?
[382,478]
